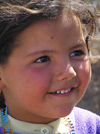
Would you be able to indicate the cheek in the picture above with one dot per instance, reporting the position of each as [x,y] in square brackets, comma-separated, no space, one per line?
[32,85]
[84,73]
[39,79]
[83,70]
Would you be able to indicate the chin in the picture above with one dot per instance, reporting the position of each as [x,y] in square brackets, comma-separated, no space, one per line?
[64,113]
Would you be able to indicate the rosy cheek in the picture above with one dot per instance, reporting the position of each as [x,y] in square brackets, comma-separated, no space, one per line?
[40,78]
[84,71]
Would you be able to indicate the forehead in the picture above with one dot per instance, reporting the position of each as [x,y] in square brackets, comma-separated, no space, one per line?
[47,34]
[66,20]
[51,33]
[43,27]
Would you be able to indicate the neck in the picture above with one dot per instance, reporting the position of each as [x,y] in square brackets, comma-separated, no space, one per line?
[29,117]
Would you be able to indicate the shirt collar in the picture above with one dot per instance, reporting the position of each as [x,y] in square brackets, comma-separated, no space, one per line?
[30,128]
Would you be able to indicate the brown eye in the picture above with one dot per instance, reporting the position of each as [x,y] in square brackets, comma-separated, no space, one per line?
[77,53]
[42,59]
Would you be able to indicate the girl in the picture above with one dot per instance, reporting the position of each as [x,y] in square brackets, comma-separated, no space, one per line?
[44,67]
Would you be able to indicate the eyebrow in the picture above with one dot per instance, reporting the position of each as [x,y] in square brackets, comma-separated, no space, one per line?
[53,51]
[41,52]
[79,45]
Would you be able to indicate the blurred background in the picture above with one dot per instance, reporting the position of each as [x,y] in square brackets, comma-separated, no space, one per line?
[96,3]
[91,99]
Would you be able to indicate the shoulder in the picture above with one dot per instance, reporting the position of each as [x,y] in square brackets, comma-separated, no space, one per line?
[85,113]
[86,121]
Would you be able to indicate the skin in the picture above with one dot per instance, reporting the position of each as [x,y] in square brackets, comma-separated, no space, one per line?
[52,56]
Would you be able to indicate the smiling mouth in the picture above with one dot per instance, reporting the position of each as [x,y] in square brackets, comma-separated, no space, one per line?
[62,91]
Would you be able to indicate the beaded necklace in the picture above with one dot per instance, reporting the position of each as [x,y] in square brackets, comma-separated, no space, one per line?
[5,130]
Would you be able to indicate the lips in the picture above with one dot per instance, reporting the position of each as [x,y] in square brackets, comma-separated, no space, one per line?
[62,91]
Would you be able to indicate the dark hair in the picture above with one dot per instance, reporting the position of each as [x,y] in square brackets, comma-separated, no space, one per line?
[16,15]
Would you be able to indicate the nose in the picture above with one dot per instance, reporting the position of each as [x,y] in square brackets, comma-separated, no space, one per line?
[67,73]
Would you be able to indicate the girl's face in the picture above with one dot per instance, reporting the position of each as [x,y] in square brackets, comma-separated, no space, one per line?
[48,73]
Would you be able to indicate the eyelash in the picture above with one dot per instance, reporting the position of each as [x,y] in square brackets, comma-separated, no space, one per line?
[77,53]
[47,59]
[42,59]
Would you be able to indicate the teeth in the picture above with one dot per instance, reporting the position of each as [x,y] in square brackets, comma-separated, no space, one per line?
[66,91]
[63,91]
[58,92]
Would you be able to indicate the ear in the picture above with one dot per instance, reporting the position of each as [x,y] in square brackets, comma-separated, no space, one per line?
[2,85]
